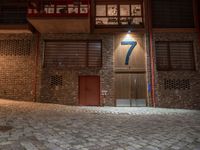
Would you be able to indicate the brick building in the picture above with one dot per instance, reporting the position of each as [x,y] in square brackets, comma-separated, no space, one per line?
[101,52]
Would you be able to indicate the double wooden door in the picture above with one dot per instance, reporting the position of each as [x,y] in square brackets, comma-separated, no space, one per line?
[130,87]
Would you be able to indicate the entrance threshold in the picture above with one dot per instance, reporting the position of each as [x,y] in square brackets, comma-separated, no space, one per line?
[131,102]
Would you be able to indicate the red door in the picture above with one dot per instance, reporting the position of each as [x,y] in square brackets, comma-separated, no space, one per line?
[89,90]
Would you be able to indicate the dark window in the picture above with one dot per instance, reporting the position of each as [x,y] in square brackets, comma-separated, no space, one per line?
[73,53]
[172,13]
[13,15]
[175,56]
[119,14]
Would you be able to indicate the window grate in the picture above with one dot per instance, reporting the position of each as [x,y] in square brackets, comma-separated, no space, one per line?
[15,47]
[177,84]
[56,80]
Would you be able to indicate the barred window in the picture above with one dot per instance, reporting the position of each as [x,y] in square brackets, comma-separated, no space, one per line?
[72,54]
[175,56]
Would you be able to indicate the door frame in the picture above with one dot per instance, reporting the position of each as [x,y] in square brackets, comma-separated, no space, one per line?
[99,81]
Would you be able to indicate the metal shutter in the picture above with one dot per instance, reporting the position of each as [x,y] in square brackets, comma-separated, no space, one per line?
[94,54]
[175,56]
[162,54]
[72,53]
[182,57]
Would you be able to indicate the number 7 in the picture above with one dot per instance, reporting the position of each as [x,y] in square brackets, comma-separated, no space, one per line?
[133,44]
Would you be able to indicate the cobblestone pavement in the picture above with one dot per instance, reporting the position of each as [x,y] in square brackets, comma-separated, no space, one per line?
[57,127]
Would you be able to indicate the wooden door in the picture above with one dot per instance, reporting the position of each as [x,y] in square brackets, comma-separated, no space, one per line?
[129,88]
[123,86]
[140,86]
[89,90]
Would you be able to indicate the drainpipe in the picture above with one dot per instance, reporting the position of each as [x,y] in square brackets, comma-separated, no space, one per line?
[149,18]
[36,66]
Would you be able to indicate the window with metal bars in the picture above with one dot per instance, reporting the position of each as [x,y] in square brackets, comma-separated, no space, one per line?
[173,55]
[73,54]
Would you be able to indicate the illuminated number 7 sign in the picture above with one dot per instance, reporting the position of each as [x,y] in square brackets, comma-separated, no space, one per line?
[133,44]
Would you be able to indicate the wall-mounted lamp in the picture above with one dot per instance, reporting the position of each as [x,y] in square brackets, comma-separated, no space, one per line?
[128,36]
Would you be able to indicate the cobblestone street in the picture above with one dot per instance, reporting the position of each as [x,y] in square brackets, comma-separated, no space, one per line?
[38,126]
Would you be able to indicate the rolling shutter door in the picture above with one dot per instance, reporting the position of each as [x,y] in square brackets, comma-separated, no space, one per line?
[162,54]
[175,56]
[182,57]
[72,54]
[94,54]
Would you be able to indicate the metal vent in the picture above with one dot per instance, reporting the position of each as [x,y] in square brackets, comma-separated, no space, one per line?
[15,47]
[177,84]
[56,80]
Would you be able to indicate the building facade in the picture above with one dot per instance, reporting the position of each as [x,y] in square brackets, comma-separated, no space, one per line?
[101,52]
